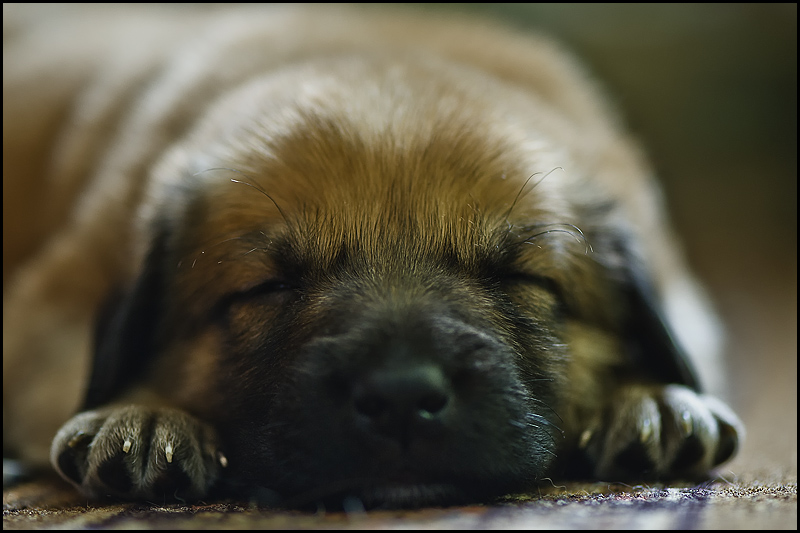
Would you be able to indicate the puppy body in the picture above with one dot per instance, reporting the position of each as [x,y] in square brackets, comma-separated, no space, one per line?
[332,253]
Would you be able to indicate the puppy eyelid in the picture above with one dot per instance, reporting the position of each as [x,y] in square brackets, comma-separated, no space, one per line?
[543,282]
[271,286]
[534,279]
[275,292]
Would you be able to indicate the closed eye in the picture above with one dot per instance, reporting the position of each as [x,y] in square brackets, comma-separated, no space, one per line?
[273,286]
[522,279]
[274,292]
[544,282]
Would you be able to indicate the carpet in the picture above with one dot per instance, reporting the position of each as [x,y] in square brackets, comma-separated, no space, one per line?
[51,504]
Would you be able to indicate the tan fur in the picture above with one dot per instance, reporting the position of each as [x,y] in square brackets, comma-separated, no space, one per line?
[317,121]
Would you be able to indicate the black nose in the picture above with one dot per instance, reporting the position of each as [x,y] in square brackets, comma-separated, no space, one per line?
[403,402]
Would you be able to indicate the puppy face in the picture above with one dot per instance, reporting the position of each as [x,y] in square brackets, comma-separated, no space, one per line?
[386,317]
[403,332]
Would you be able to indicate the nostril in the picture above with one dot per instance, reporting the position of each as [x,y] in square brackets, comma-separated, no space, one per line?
[370,405]
[431,404]
[375,405]
[393,400]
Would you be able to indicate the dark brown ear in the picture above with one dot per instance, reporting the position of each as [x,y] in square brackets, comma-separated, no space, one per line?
[652,344]
[652,347]
[125,333]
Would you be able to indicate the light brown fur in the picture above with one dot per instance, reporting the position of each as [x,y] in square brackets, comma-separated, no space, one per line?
[345,129]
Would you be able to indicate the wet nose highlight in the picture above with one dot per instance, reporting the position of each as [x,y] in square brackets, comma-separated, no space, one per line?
[394,401]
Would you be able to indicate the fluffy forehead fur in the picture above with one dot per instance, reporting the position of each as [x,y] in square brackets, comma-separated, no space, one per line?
[393,156]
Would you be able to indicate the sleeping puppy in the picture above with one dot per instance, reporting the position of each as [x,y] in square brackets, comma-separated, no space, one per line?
[319,254]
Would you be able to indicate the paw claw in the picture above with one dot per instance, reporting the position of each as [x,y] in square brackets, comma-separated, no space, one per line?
[659,431]
[586,436]
[79,437]
[645,430]
[87,452]
[686,423]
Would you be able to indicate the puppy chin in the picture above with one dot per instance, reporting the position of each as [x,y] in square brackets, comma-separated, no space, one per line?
[386,495]
[405,495]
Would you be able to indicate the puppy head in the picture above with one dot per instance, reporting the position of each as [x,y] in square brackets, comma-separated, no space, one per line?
[363,281]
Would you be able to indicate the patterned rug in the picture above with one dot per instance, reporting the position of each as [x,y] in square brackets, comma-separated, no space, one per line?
[51,504]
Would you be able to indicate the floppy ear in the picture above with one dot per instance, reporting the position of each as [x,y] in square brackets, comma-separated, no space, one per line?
[125,333]
[652,344]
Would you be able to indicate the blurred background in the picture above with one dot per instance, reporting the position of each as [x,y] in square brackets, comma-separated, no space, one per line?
[711,92]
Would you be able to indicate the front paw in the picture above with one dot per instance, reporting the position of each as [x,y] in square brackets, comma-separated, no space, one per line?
[138,453]
[660,431]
